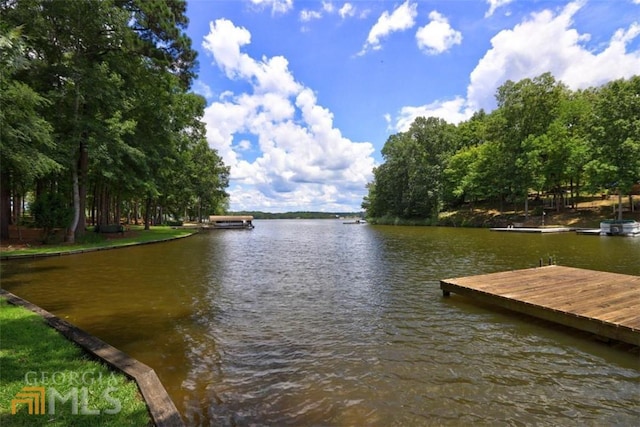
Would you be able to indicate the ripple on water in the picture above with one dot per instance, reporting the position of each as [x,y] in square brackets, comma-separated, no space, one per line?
[315,323]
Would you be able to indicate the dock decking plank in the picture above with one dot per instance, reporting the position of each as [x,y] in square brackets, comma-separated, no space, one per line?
[606,304]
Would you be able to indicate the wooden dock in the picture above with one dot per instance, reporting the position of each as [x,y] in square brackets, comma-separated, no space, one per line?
[605,304]
[538,230]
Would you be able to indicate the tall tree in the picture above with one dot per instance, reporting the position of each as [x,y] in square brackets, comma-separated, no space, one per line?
[159,28]
[528,108]
[410,183]
[616,135]
[209,179]
[90,55]
[435,142]
[25,136]
[390,179]
[563,151]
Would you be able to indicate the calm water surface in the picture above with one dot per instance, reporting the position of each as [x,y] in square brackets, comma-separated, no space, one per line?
[320,323]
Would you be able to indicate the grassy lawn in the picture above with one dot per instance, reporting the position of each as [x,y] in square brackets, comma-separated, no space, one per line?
[135,235]
[32,354]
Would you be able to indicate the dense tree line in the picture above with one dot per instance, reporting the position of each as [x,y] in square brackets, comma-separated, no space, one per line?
[542,138]
[97,119]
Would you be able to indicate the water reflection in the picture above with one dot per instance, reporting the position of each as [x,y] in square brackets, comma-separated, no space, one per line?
[315,322]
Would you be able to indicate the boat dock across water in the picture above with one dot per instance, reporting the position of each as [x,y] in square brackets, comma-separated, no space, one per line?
[231,222]
[534,229]
[601,303]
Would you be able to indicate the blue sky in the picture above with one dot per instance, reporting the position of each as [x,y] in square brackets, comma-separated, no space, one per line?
[302,95]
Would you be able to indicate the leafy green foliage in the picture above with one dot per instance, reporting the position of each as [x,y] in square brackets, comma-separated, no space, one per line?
[542,138]
[616,136]
[26,143]
[50,211]
[99,110]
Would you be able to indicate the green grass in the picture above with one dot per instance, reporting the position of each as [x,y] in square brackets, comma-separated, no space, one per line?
[97,241]
[34,354]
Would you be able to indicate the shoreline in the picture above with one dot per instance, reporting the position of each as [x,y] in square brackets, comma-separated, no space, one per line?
[583,218]
[161,408]
[36,253]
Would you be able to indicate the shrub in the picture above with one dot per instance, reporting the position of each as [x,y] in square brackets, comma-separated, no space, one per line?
[51,211]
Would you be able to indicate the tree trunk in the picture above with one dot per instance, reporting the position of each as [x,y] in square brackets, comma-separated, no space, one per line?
[147,214]
[573,206]
[104,207]
[619,204]
[17,207]
[93,205]
[98,203]
[83,166]
[5,203]
[135,212]
[70,238]
[117,209]
[75,170]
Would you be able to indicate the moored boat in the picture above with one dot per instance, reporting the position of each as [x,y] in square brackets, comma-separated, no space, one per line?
[615,227]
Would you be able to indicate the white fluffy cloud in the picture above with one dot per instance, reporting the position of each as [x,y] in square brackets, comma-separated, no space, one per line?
[437,36]
[548,42]
[304,162]
[402,18]
[277,6]
[495,4]
[453,111]
[203,89]
[347,10]
[307,15]
[545,41]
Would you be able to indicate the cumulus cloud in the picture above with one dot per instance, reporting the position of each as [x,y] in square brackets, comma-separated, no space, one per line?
[304,161]
[545,41]
[277,6]
[495,4]
[548,42]
[401,19]
[309,15]
[348,10]
[453,111]
[437,36]
[203,89]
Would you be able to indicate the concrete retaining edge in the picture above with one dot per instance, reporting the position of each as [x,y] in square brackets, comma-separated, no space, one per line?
[161,407]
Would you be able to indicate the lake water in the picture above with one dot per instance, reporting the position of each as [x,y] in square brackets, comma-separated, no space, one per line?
[302,322]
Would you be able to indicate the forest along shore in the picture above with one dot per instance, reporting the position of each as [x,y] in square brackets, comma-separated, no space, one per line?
[588,213]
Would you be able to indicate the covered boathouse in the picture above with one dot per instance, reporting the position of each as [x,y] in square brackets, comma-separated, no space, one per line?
[231,221]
